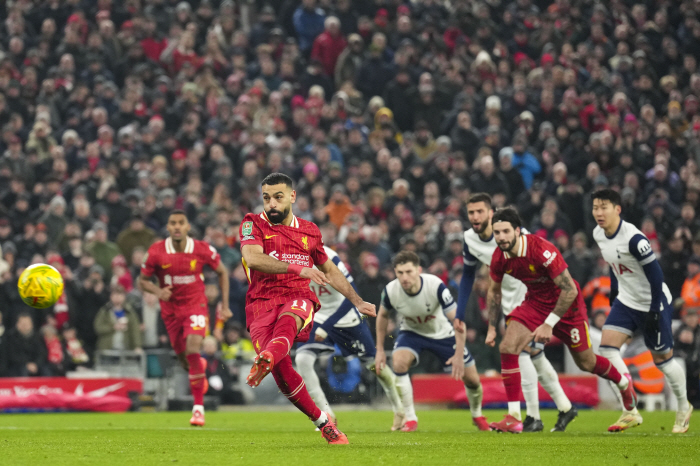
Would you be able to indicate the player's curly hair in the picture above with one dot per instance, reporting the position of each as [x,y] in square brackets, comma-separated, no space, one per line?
[277,178]
[508,214]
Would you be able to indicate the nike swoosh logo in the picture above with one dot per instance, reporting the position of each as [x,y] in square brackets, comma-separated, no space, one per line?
[271,236]
[509,271]
[576,346]
[657,348]
[166,266]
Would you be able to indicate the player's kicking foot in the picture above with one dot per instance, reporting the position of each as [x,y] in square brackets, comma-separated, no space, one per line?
[333,436]
[261,367]
[682,421]
[410,426]
[564,419]
[508,424]
[629,397]
[626,421]
[481,423]
[399,419]
[530,424]
[197,418]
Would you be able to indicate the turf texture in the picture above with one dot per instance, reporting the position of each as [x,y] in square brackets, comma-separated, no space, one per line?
[286,438]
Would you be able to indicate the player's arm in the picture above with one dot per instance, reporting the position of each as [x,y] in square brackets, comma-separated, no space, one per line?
[256,259]
[466,284]
[221,271]
[613,286]
[493,305]
[640,248]
[382,325]
[567,295]
[338,281]
[148,268]
[457,361]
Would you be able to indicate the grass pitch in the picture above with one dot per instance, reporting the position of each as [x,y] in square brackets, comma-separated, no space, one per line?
[287,438]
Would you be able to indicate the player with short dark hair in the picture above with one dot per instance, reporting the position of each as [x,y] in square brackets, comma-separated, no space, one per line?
[279,253]
[639,298]
[426,308]
[177,263]
[479,246]
[553,305]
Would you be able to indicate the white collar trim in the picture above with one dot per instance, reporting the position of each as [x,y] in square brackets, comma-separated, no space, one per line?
[170,248]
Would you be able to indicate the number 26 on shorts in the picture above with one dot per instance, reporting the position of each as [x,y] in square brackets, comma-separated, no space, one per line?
[198,322]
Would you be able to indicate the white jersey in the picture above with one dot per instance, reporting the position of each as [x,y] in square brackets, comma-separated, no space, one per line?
[424,312]
[477,250]
[331,299]
[627,252]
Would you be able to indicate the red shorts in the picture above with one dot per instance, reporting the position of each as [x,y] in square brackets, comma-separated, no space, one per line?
[572,329]
[263,326]
[192,320]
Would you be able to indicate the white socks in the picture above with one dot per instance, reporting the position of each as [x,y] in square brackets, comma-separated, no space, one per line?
[514,410]
[387,380]
[199,408]
[528,380]
[305,361]
[321,420]
[475,396]
[676,379]
[613,354]
[405,389]
[550,382]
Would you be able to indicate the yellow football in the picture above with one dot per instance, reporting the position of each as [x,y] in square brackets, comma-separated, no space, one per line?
[40,286]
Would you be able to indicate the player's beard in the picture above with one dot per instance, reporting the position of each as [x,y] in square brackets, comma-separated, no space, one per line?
[509,245]
[276,216]
[482,227]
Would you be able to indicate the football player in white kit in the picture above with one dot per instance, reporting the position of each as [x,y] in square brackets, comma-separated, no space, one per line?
[339,324]
[426,308]
[479,245]
[640,300]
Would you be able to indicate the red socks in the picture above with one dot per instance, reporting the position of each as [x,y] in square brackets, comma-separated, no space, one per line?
[605,369]
[292,386]
[283,337]
[510,372]
[197,377]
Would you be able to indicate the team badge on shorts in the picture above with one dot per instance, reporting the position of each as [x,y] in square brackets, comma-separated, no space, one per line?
[247,228]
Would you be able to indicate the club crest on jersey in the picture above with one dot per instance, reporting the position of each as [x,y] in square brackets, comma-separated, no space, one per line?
[247,228]
[193,264]
[305,242]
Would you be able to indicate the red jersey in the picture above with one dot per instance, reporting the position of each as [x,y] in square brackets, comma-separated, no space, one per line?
[537,264]
[299,243]
[182,270]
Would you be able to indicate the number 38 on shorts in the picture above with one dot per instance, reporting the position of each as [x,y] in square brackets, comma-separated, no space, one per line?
[198,322]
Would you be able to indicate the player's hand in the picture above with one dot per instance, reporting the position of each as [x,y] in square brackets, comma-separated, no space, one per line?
[165,293]
[379,361]
[457,362]
[367,309]
[542,334]
[314,275]
[459,326]
[320,335]
[226,313]
[491,336]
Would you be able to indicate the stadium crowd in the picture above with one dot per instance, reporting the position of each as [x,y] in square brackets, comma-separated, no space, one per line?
[387,114]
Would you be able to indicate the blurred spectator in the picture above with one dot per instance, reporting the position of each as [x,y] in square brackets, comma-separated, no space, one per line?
[136,235]
[687,346]
[27,356]
[218,375]
[691,286]
[116,324]
[235,346]
[103,250]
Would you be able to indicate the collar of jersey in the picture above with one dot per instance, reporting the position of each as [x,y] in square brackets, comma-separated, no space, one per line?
[170,247]
[484,240]
[522,249]
[616,231]
[294,224]
[419,289]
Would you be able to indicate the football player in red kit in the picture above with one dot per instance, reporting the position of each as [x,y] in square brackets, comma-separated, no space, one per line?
[279,252]
[177,263]
[553,305]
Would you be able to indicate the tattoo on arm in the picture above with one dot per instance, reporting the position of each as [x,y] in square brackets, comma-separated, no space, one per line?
[568,292]
[493,304]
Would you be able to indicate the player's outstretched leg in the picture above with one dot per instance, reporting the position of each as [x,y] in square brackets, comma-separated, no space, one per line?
[292,386]
[628,418]
[528,381]
[475,395]
[387,380]
[549,379]
[405,390]
[286,329]
[676,379]
[305,361]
